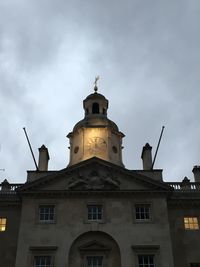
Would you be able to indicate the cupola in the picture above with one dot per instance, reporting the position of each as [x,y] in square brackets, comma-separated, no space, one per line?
[95,135]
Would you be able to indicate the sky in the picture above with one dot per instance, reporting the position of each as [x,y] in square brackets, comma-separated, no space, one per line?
[147,54]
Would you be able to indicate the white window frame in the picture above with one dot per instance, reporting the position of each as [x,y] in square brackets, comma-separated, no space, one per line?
[95,212]
[148,256]
[48,251]
[44,221]
[95,202]
[147,250]
[94,256]
[42,265]
[145,220]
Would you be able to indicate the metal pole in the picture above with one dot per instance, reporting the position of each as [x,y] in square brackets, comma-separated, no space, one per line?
[30,148]
[157,147]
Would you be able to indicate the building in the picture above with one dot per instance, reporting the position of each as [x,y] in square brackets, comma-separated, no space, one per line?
[97,213]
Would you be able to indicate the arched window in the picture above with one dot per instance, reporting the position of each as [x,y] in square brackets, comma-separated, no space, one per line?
[95,108]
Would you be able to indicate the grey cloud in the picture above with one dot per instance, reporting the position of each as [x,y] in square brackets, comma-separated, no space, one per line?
[147,54]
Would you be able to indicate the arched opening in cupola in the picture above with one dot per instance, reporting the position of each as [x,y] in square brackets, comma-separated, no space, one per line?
[95,108]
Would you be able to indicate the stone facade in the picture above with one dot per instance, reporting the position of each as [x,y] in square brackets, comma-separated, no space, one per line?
[95,212]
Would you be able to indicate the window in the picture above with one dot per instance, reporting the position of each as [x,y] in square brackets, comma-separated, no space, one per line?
[142,212]
[146,261]
[94,212]
[42,261]
[146,255]
[95,108]
[194,264]
[191,223]
[94,261]
[2,224]
[46,213]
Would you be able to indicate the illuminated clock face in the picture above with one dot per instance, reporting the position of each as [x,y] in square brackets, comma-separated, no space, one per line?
[96,145]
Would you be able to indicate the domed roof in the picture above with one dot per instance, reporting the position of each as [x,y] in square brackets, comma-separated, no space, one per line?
[95,95]
[95,121]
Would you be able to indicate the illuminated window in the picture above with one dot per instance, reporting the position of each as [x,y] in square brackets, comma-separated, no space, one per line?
[142,212]
[94,212]
[194,264]
[46,213]
[191,223]
[2,224]
[94,261]
[42,261]
[146,261]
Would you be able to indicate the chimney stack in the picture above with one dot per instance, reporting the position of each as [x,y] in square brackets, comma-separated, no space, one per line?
[146,157]
[43,158]
[196,171]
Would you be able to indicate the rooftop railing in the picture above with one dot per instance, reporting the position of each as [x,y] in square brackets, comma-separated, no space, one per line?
[185,186]
[6,188]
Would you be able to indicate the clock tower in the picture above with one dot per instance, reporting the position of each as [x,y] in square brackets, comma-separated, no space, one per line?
[95,135]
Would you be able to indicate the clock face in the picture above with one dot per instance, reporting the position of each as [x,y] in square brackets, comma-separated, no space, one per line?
[96,145]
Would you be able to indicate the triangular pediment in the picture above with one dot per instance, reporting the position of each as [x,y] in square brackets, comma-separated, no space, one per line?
[94,246]
[94,175]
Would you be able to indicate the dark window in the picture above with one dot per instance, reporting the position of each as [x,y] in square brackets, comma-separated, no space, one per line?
[142,212]
[42,261]
[194,264]
[146,261]
[46,213]
[94,261]
[94,212]
[87,111]
[95,108]
[104,111]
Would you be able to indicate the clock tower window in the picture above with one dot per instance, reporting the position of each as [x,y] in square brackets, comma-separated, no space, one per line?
[95,108]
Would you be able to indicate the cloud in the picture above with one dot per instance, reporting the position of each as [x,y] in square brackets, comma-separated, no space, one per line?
[146,53]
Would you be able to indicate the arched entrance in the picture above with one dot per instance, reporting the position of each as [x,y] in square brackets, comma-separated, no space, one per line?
[94,249]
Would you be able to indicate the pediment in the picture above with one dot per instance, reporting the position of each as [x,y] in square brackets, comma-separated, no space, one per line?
[94,246]
[94,175]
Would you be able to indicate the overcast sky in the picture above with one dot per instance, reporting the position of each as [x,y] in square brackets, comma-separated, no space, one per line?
[147,54]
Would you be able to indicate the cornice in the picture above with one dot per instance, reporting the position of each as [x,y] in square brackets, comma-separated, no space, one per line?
[86,193]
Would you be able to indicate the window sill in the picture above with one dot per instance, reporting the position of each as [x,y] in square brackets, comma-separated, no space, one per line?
[94,222]
[143,221]
[46,222]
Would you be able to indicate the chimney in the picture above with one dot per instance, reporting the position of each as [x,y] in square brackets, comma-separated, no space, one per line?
[43,158]
[196,171]
[146,157]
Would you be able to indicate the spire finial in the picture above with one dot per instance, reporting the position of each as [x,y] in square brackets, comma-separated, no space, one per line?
[95,84]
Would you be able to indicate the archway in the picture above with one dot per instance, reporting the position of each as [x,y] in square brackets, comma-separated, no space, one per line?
[94,249]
